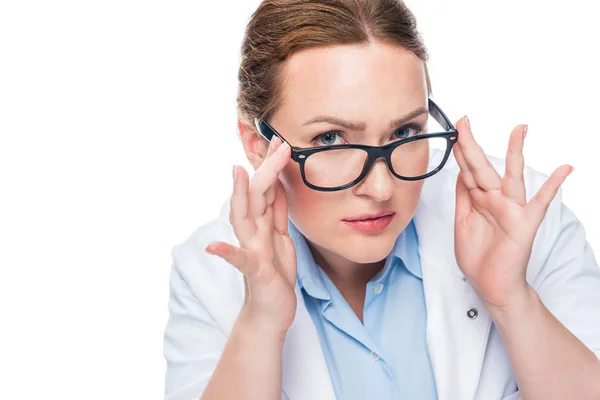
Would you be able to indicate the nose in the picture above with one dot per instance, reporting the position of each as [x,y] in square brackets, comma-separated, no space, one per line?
[378,184]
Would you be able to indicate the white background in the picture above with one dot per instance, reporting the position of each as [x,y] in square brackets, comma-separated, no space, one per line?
[118,134]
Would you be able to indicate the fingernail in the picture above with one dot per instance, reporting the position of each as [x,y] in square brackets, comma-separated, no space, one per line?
[525,131]
[572,169]
[282,148]
[234,173]
[467,122]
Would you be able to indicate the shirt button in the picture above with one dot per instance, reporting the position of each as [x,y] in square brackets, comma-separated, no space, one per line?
[378,288]
[472,313]
[374,356]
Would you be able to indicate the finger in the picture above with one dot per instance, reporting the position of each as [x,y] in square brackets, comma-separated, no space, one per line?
[239,258]
[270,196]
[264,232]
[536,209]
[483,171]
[513,184]
[242,225]
[274,145]
[280,209]
[464,203]
[467,175]
[265,177]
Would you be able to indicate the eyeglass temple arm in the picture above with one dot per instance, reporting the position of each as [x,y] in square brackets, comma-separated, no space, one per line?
[266,130]
[439,116]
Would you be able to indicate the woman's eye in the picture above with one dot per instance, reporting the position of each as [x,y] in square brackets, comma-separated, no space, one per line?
[327,139]
[404,132]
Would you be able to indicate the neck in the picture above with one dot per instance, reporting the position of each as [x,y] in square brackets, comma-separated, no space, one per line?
[348,276]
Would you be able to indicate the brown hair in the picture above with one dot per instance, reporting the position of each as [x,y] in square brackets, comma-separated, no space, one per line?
[280,27]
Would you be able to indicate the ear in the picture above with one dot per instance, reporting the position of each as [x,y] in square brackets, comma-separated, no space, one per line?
[255,146]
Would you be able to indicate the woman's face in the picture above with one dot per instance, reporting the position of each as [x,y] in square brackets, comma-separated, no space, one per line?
[373,85]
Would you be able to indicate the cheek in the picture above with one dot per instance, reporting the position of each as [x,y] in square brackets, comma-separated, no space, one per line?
[408,194]
[303,202]
[406,201]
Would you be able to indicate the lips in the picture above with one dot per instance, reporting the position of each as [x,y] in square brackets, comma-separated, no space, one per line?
[371,225]
[370,216]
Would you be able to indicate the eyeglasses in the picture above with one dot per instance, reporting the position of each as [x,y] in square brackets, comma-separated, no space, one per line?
[339,167]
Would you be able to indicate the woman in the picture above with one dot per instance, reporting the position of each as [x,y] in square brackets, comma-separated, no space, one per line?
[374,259]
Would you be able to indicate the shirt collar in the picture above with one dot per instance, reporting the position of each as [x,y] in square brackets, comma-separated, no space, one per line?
[407,250]
[404,252]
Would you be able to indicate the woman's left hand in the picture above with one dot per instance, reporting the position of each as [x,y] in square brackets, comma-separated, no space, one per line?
[494,226]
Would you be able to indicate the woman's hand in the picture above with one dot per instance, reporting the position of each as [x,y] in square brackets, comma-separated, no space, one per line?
[267,257]
[494,226]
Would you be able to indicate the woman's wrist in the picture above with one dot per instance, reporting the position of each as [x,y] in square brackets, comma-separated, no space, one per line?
[251,358]
[260,329]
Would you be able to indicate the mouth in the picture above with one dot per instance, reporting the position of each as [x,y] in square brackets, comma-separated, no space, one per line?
[370,222]
[368,216]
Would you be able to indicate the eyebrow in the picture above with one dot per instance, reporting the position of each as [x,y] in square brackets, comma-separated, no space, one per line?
[360,126]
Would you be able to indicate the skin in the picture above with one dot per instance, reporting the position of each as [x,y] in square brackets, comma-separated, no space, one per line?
[375,84]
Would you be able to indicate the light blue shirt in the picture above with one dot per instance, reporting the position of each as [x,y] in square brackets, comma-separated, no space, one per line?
[386,358]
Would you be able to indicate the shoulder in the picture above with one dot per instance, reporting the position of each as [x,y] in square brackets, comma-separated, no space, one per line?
[191,249]
[211,280]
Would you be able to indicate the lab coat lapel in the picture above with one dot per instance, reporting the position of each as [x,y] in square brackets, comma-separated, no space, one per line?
[456,342]
[305,375]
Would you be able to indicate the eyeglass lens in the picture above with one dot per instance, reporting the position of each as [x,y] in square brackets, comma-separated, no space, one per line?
[339,167]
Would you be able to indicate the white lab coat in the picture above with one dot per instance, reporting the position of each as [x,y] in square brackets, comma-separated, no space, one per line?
[468,357]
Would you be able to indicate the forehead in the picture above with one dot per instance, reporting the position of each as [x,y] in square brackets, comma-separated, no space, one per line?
[365,82]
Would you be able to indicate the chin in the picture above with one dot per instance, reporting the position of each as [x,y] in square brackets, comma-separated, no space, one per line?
[364,256]
[365,249]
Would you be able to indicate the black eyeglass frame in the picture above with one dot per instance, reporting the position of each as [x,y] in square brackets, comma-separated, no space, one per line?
[300,155]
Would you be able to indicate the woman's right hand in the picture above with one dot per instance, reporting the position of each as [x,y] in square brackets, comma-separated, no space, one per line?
[266,256]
